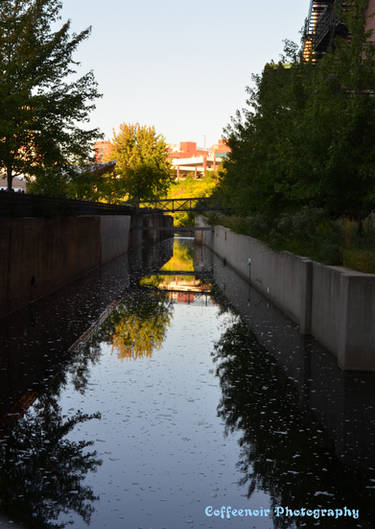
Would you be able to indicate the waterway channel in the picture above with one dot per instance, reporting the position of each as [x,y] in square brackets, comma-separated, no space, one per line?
[163,387]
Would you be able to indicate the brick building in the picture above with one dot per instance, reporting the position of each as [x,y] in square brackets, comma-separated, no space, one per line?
[102,150]
[186,158]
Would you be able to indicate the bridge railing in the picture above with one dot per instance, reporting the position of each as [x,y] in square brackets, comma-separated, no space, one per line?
[26,205]
[172,205]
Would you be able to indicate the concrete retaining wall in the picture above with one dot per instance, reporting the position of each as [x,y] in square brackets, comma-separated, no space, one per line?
[339,400]
[114,236]
[343,314]
[39,255]
[334,304]
[151,228]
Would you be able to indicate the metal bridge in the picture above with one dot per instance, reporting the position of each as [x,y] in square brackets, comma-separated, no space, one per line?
[25,205]
[172,205]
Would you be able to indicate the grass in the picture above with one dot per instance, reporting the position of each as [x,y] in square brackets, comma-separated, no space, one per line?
[191,187]
[310,234]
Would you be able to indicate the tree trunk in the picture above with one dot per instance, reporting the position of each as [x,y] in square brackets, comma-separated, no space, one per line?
[9,178]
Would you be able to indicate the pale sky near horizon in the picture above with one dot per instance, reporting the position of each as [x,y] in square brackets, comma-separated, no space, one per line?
[181,66]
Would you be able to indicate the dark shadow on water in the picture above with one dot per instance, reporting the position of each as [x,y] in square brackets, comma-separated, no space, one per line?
[307,428]
[42,472]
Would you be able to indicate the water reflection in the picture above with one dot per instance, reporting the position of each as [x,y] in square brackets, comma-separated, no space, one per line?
[42,472]
[285,451]
[138,324]
[46,348]
[307,428]
[298,431]
[178,277]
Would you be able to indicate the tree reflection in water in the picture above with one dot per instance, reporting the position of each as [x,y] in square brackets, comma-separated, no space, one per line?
[138,325]
[41,471]
[284,450]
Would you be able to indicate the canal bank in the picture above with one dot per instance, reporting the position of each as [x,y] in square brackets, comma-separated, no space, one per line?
[39,255]
[184,396]
[333,304]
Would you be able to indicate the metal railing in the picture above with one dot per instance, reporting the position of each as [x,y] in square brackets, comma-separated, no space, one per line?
[321,23]
[25,205]
[325,25]
[172,205]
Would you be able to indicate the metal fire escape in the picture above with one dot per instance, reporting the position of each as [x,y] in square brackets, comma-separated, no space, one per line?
[321,26]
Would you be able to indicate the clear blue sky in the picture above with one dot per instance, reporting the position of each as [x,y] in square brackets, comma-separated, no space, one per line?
[181,66]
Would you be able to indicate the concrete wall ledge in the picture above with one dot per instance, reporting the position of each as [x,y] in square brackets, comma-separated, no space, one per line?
[334,304]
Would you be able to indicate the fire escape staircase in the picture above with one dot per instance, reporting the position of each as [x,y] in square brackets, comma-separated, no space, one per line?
[321,26]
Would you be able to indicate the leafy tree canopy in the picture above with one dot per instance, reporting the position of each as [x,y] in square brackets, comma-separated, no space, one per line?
[40,103]
[305,137]
[141,162]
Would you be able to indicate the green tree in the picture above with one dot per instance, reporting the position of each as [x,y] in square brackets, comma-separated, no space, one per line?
[268,140]
[141,162]
[92,182]
[40,104]
[340,117]
[305,138]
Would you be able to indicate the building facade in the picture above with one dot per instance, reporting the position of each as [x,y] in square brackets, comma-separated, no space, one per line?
[188,159]
[102,150]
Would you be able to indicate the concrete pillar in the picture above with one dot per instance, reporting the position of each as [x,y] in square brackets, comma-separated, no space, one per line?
[356,341]
[306,296]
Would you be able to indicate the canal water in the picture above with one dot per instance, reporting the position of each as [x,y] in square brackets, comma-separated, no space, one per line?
[163,392]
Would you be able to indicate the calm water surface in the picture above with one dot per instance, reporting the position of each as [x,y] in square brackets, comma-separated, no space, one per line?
[135,400]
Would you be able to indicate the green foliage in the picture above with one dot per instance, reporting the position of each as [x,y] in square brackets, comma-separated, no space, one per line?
[90,183]
[302,152]
[310,233]
[305,138]
[358,259]
[51,182]
[142,163]
[40,104]
[191,187]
